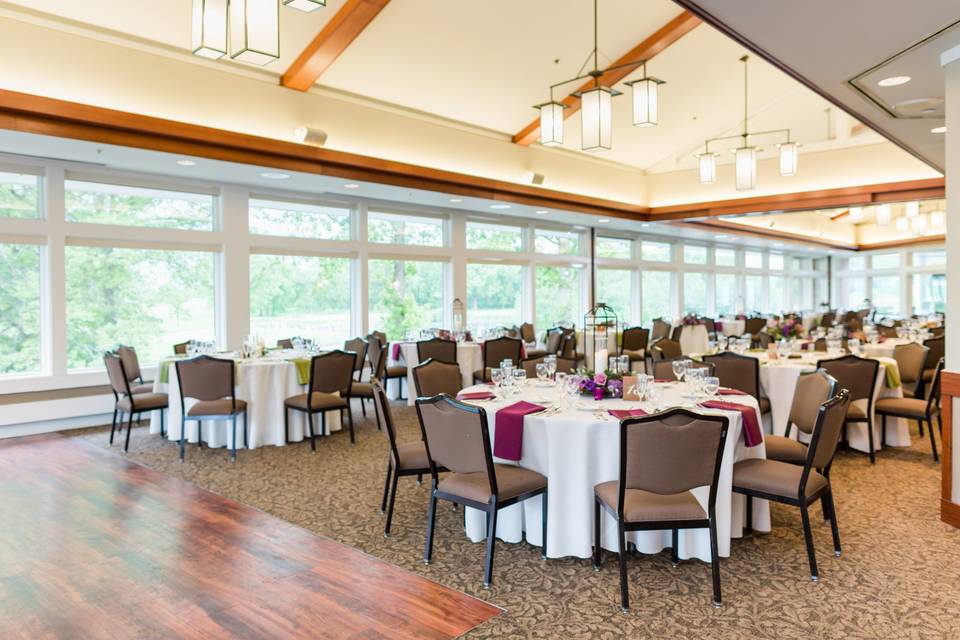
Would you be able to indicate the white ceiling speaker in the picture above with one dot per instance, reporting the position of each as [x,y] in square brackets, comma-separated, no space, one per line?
[308,135]
[531,177]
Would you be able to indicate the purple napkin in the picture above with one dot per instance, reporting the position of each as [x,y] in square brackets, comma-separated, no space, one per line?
[508,439]
[621,414]
[476,395]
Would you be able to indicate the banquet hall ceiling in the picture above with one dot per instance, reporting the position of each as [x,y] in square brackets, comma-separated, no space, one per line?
[484,65]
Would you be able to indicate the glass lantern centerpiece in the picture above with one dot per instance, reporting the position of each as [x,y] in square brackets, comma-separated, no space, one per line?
[459,315]
[600,326]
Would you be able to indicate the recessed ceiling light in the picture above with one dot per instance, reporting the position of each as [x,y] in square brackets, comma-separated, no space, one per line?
[579,227]
[274,175]
[499,206]
[541,212]
[456,200]
[603,220]
[938,130]
[351,185]
[645,225]
[721,236]
[186,163]
[894,81]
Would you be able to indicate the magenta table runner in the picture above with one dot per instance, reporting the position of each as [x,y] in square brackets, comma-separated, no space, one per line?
[732,392]
[752,435]
[621,414]
[508,439]
[476,395]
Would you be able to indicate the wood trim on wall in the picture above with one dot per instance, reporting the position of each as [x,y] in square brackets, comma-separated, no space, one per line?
[949,389]
[757,232]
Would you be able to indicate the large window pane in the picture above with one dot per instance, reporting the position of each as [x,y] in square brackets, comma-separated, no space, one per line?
[136,206]
[495,237]
[693,254]
[405,296]
[886,295]
[857,263]
[614,248]
[391,228]
[753,260]
[306,296]
[776,295]
[886,261]
[929,293]
[655,251]
[614,287]
[19,195]
[725,257]
[150,299]
[929,258]
[776,261]
[695,293]
[494,294]
[753,294]
[557,242]
[657,293]
[853,292]
[20,309]
[272,218]
[726,294]
[557,296]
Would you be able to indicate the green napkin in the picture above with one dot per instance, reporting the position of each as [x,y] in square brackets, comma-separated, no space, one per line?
[163,373]
[303,369]
[893,374]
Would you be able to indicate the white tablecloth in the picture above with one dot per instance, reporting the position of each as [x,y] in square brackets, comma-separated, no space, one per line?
[883,349]
[577,450]
[264,384]
[469,359]
[694,339]
[733,327]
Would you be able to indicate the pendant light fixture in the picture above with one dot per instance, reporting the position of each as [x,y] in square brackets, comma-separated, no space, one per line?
[902,224]
[596,132]
[551,122]
[209,28]
[856,214]
[645,99]
[913,209]
[883,215]
[305,5]
[254,31]
[938,219]
[745,156]
[918,225]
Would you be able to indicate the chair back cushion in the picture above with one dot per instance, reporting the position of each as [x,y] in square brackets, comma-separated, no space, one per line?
[661,329]
[527,334]
[911,358]
[359,347]
[553,340]
[635,339]
[568,345]
[116,373]
[936,346]
[332,372]
[500,349]
[205,378]
[378,355]
[666,349]
[812,390]
[663,369]
[131,364]
[437,349]
[737,372]
[456,434]
[831,416]
[856,375]
[753,326]
[434,377]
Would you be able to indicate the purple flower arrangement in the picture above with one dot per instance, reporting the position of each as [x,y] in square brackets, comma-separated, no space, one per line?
[604,384]
[789,328]
[691,319]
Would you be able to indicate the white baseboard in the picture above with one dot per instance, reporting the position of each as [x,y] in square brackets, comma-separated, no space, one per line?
[32,418]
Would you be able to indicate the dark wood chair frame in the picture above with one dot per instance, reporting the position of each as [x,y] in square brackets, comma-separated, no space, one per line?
[438,342]
[491,507]
[870,401]
[661,525]
[232,416]
[933,408]
[323,412]
[133,405]
[714,359]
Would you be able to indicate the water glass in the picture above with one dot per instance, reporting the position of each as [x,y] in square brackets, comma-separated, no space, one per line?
[679,368]
[496,377]
[711,385]
[623,365]
[551,363]
[519,379]
[542,373]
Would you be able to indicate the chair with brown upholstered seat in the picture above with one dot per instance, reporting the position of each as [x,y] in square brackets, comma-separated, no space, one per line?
[554,338]
[457,438]
[911,359]
[131,365]
[665,349]
[359,347]
[919,409]
[763,340]
[495,352]
[437,349]
[662,458]
[212,383]
[663,369]
[433,377]
[126,401]
[888,332]
[859,377]
[634,343]
[564,365]
[377,350]
[812,390]
[739,372]
[529,336]
[329,389]
[660,330]
[798,485]
[754,326]
[936,347]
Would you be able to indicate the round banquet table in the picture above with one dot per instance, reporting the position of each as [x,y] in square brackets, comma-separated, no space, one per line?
[577,450]
[264,384]
[469,359]
[733,327]
[694,339]
[883,349]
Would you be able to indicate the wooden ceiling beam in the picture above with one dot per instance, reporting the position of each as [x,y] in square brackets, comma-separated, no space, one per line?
[660,40]
[352,18]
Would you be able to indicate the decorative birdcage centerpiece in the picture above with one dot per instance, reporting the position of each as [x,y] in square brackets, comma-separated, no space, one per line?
[459,315]
[600,326]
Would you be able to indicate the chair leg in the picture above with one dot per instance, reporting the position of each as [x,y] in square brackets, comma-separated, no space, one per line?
[183,433]
[920,422]
[199,433]
[286,424]
[323,423]
[873,457]
[491,541]
[233,438]
[126,444]
[386,485]
[596,534]
[310,418]
[543,521]
[350,420]
[933,440]
[363,407]
[624,592]
[808,536]
[431,514]
[113,425]
[749,527]
[715,562]
[834,527]
[163,428]
[883,430]
[393,498]
[675,548]
[246,444]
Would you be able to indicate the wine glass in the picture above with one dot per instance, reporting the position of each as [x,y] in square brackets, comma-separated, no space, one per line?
[519,379]
[654,396]
[542,372]
[679,368]
[496,377]
[711,385]
[551,363]
[572,387]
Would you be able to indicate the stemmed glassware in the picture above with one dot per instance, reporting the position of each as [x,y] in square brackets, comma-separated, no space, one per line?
[496,377]
[542,373]
[551,362]
[519,379]
[711,385]
[679,369]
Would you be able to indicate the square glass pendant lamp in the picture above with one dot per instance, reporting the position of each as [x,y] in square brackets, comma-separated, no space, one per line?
[305,5]
[551,123]
[595,119]
[707,164]
[884,215]
[645,101]
[745,161]
[788,158]
[255,31]
[209,36]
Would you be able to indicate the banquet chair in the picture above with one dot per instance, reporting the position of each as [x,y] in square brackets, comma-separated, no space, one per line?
[827,319]
[763,340]
[663,369]
[888,332]
[938,332]
[359,347]
[527,333]
[554,338]
[496,351]
[661,330]
[405,459]
[911,359]
[329,389]
[711,326]
[377,350]
[125,401]
[936,346]
[919,409]
[131,365]
[800,485]
[820,344]
[212,382]
[633,344]
[754,325]
[457,438]
[739,372]
[662,458]
[665,349]
[812,390]
[433,377]
[568,346]
[859,377]
[285,343]
[180,348]
[437,349]
[676,333]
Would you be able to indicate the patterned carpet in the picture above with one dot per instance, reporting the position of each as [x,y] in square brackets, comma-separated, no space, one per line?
[899,576]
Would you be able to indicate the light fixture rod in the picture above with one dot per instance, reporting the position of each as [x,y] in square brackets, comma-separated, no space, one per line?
[751,135]
[745,112]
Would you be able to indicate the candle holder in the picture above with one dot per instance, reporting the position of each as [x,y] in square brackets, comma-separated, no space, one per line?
[600,324]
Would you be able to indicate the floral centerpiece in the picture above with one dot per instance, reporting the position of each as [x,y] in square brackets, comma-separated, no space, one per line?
[789,328]
[606,384]
[691,319]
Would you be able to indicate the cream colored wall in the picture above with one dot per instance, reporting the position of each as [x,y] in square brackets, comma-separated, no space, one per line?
[952,78]
[806,224]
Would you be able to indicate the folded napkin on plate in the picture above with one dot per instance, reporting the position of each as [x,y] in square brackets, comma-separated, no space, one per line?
[508,439]
[395,351]
[621,414]
[476,395]
[752,435]
[732,392]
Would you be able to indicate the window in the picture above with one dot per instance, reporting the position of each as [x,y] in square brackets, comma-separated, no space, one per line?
[557,296]
[494,237]
[753,260]
[615,287]
[655,251]
[725,257]
[776,295]
[801,294]
[854,292]
[695,293]
[929,293]
[494,294]
[272,218]
[694,255]
[557,242]
[886,261]
[857,263]
[726,294]
[94,202]
[802,264]
[405,296]
[614,248]
[753,294]
[657,290]
[148,298]
[886,294]
[929,258]
[20,309]
[820,264]
[305,296]
[19,195]
[391,228]
[821,294]
[776,261]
